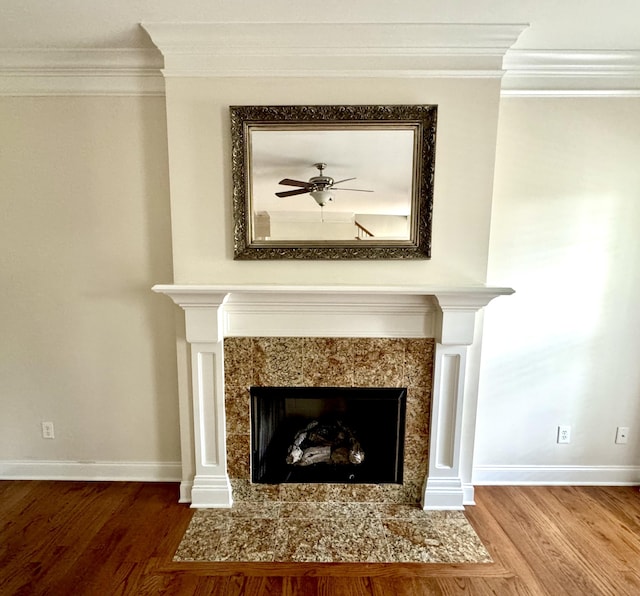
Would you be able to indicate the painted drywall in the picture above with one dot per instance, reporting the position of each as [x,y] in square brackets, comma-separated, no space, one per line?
[85,233]
[201,187]
[564,349]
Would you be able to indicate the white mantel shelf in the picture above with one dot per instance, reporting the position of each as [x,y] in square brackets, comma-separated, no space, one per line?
[182,289]
[447,296]
[213,312]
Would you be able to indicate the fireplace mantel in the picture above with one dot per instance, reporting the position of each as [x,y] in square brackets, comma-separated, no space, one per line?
[197,293]
[213,312]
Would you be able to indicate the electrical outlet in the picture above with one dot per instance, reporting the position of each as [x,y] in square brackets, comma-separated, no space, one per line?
[622,434]
[47,430]
[564,433]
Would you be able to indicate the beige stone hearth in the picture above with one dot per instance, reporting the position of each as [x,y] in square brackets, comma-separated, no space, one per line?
[330,533]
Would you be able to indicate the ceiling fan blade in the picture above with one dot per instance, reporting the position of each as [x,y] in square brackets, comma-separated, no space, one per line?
[291,193]
[352,189]
[289,182]
[341,181]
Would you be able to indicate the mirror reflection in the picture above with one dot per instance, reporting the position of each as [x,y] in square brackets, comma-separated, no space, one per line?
[342,185]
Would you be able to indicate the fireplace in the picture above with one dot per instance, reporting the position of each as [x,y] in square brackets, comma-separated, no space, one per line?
[358,334]
[351,435]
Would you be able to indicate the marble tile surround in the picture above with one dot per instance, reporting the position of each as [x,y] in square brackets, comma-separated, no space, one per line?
[345,362]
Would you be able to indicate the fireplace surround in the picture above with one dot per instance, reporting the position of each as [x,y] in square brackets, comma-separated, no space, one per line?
[213,313]
[319,362]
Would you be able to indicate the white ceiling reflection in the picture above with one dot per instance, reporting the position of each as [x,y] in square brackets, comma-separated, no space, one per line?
[380,160]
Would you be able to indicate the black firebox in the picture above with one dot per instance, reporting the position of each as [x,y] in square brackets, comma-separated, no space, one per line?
[327,434]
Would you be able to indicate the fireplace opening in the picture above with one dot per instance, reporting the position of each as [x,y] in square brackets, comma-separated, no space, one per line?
[327,434]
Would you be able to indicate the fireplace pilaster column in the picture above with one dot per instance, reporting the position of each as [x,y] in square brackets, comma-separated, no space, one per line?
[445,485]
[204,333]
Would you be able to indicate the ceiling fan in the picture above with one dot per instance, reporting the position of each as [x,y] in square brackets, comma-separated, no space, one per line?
[319,187]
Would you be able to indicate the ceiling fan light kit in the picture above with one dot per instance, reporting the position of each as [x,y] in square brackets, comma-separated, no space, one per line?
[319,187]
[321,196]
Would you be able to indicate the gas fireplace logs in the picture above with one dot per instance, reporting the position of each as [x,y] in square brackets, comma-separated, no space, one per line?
[331,443]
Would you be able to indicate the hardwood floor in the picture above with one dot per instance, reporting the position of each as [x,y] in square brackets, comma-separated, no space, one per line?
[77,538]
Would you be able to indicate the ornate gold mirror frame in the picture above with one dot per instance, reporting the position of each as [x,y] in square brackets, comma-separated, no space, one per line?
[333,182]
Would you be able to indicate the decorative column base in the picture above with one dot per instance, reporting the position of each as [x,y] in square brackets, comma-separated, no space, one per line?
[185,491]
[211,491]
[442,493]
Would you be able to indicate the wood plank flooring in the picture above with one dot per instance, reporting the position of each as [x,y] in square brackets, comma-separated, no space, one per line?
[99,538]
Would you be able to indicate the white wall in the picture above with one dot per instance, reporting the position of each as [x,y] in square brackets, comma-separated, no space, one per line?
[84,234]
[201,190]
[564,349]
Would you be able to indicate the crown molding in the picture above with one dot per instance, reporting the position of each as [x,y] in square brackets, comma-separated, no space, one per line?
[525,73]
[571,73]
[333,49]
[34,72]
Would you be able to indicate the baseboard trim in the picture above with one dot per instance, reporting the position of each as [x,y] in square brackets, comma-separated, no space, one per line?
[468,494]
[91,471]
[557,475]
[172,472]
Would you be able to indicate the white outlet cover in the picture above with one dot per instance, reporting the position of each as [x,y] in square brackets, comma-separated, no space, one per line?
[622,435]
[564,433]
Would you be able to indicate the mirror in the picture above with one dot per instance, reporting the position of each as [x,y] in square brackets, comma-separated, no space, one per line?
[333,182]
